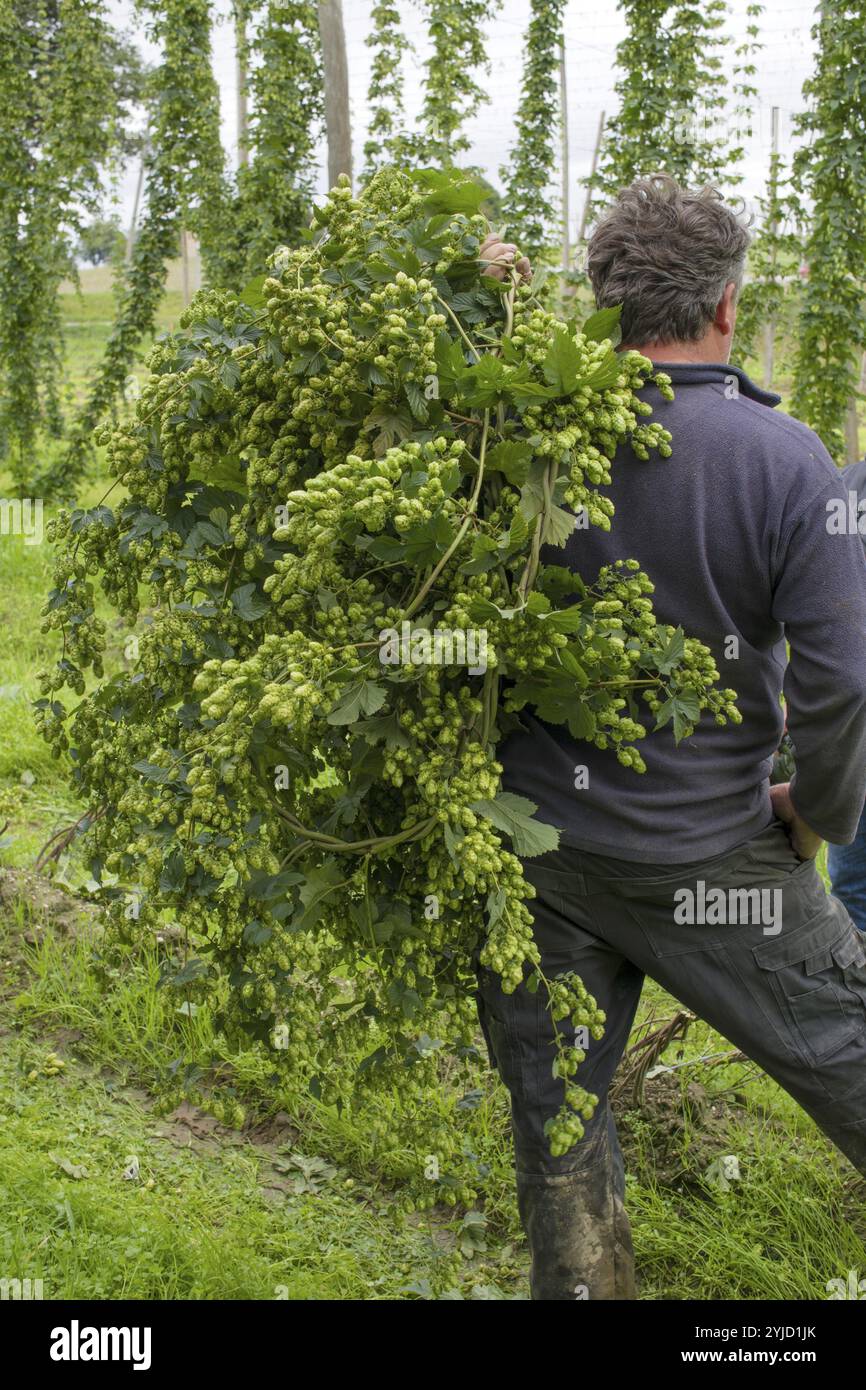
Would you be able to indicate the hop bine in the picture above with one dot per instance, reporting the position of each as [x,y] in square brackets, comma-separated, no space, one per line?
[377,434]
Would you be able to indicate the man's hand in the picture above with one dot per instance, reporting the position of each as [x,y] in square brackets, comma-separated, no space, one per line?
[500,257]
[804,840]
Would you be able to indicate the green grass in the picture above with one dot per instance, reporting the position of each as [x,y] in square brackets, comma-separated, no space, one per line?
[793,1221]
[222,1215]
[87,320]
[212,1217]
[42,801]
[781,1232]
[197,1222]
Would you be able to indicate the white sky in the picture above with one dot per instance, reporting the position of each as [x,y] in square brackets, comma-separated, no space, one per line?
[593,29]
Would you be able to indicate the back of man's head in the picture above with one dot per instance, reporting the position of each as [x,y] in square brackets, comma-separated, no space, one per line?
[666,255]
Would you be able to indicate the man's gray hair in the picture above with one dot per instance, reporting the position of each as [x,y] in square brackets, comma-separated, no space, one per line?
[666,255]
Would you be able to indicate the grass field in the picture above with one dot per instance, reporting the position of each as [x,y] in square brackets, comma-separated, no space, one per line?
[106,1192]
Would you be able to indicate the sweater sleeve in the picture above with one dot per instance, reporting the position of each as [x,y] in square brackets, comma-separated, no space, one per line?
[820,598]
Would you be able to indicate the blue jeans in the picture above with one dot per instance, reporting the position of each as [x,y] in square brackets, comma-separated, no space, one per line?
[847,868]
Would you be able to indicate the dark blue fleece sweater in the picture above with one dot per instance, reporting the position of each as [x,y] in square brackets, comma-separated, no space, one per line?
[743,535]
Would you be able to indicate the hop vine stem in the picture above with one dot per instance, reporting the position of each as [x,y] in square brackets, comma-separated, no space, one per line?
[455,544]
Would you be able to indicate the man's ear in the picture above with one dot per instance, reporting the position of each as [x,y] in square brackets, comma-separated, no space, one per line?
[726,310]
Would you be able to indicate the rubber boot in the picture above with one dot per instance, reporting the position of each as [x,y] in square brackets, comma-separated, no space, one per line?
[578,1231]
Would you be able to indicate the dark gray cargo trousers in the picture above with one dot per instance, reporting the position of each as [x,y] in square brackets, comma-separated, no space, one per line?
[780,972]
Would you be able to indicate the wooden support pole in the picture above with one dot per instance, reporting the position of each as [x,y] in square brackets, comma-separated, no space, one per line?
[585,214]
[770,326]
[184,261]
[853,452]
[133,223]
[241,82]
[563,139]
[336,72]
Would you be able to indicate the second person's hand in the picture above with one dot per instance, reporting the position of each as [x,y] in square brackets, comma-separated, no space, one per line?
[501,256]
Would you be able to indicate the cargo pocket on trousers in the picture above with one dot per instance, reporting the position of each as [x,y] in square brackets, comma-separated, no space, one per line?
[819,980]
[503,1047]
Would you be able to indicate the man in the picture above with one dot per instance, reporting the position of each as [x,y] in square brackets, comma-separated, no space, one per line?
[697,873]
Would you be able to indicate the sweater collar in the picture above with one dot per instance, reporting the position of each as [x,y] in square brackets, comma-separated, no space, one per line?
[697,373]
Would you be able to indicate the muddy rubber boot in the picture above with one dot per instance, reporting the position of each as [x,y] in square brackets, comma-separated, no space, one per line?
[578,1230]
